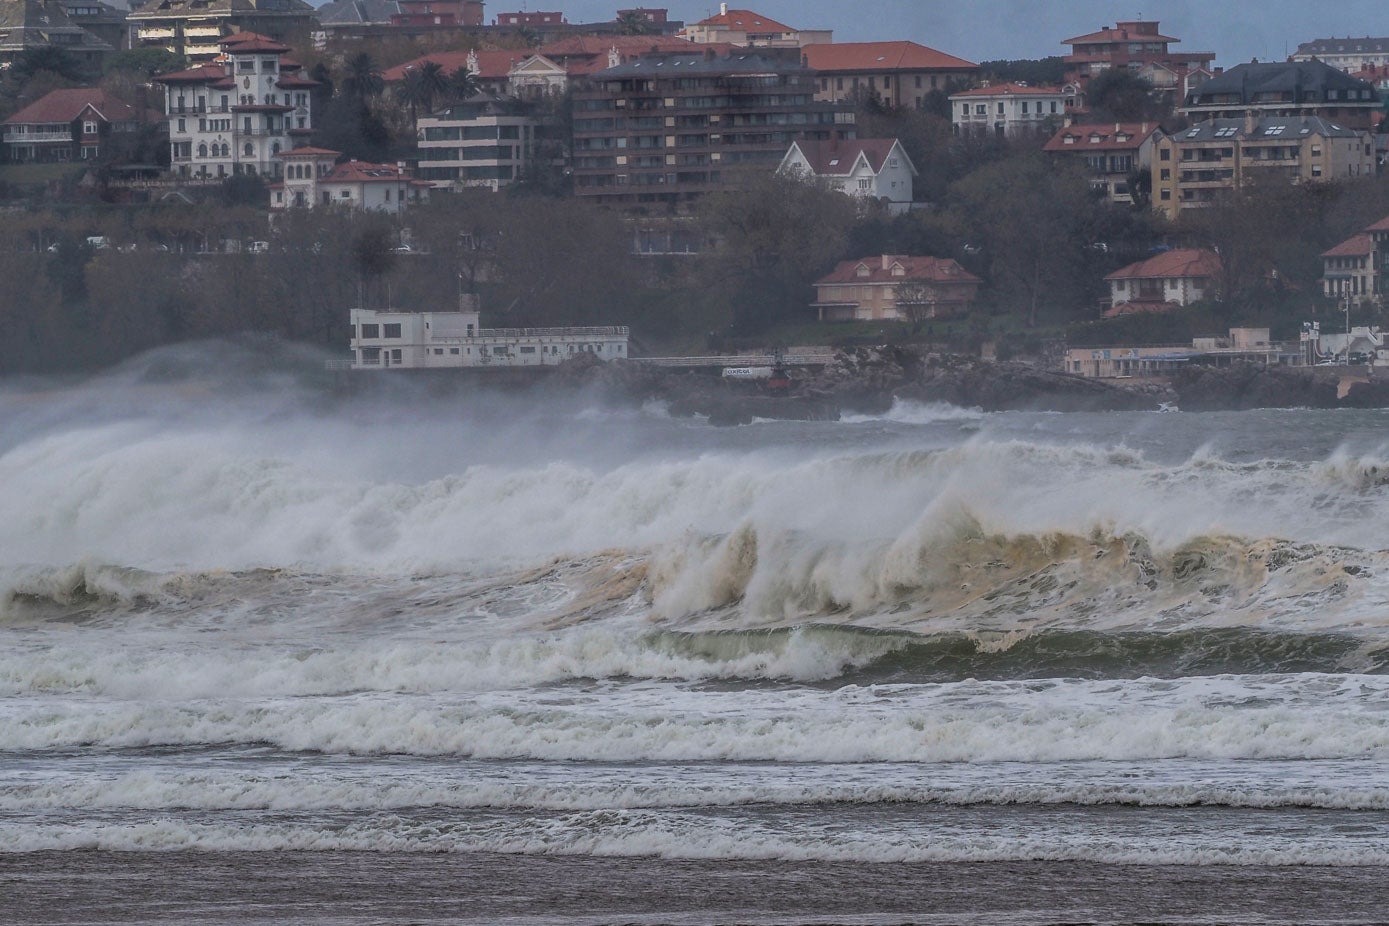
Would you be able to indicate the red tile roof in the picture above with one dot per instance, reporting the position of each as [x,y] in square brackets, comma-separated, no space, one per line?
[745,21]
[828,158]
[66,105]
[1102,137]
[367,172]
[881,56]
[1355,246]
[1183,262]
[925,269]
[1381,225]
[1009,89]
[1116,34]
[203,73]
[491,64]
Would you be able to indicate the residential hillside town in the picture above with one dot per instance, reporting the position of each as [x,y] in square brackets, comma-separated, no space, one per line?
[702,182]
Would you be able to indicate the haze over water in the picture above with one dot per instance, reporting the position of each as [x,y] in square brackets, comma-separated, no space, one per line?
[270,653]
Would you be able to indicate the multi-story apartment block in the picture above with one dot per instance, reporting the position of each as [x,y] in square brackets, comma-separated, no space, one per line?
[235,116]
[485,142]
[196,28]
[1131,46]
[899,74]
[744,27]
[1194,167]
[33,24]
[1111,153]
[529,19]
[1011,109]
[667,128]
[1285,89]
[438,13]
[1346,54]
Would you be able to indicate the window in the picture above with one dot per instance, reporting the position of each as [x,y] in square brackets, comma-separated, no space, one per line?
[438,352]
[250,149]
[371,331]
[89,128]
[182,125]
[1024,107]
[390,330]
[1000,107]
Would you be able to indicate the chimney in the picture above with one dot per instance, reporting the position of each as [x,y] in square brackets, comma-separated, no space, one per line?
[723,9]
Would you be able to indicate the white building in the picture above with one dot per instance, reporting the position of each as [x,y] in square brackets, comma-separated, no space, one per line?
[1010,109]
[238,113]
[876,168]
[444,340]
[1348,54]
[485,142]
[312,177]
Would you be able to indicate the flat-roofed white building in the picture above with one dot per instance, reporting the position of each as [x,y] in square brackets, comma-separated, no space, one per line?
[391,339]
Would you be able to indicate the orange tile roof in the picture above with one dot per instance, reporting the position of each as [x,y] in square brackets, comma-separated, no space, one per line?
[1182,262]
[1102,137]
[1354,246]
[1116,34]
[745,21]
[491,65]
[927,269]
[66,105]
[881,56]
[367,172]
[309,151]
[1381,225]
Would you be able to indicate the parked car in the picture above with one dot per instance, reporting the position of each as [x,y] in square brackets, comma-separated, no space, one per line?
[258,247]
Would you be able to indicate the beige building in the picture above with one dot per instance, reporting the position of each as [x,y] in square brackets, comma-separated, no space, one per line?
[745,27]
[196,28]
[1111,153]
[896,287]
[1167,280]
[1193,167]
[1163,360]
[899,74]
[1355,270]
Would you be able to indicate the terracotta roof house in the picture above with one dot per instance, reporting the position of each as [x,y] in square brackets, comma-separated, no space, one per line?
[235,115]
[1010,109]
[1351,270]
[894,286]
[748,28]
[33,24]
[1172,278]
[313,178]
[518,73]
[898,73]
[70,125]
[1110,153]
[874,168]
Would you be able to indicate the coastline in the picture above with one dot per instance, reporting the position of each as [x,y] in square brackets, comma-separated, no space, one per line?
[869,380]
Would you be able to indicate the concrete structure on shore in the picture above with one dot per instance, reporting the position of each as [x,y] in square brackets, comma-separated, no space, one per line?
[393,339]
[1163,360]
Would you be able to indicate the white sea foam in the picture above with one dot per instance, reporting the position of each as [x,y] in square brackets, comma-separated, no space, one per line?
[1229,717]
[905,411]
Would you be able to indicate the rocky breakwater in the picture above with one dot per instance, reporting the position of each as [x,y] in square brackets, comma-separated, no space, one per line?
[1247,385]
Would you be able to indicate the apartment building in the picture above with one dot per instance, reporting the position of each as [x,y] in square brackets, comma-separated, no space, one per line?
[1286,89]
[1194,167]
[1348,54]
[485,142]
[1111,153]
[666,128]
[195,28]
[1130,46]
[900,74]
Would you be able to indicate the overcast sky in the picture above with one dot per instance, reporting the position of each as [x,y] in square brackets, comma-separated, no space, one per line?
[978,30]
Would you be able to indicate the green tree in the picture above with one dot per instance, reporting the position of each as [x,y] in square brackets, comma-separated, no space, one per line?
[1120,95]
[149,62]
[373,254]
[362,80]
[1033,221]
[631,22]
[462,85]
[775,235]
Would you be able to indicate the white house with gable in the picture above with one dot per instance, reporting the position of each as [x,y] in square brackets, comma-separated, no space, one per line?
[876,168]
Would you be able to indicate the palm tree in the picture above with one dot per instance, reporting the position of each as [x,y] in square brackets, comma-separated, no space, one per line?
[414,93]
[362,79]
[433,81]
[631,22]
[462,85]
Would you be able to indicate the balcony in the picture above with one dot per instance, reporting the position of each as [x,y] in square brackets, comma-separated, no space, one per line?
[156,34]
[20,138]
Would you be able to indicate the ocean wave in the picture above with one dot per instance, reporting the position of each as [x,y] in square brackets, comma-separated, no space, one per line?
[1218,717]
[612,833]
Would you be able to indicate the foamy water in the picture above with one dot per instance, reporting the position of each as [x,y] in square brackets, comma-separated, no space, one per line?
[268,618]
